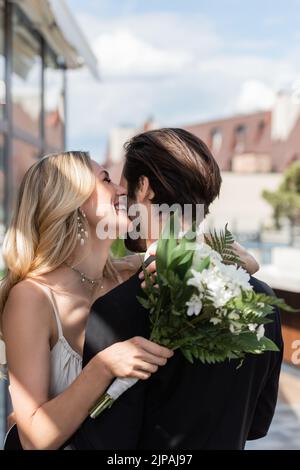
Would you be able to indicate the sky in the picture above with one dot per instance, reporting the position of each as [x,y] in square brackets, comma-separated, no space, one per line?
[179,62]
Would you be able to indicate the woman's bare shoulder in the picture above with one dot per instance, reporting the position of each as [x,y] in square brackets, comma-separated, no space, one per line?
[24,301]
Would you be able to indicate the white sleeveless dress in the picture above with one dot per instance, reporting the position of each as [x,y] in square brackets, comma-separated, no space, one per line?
[66,364]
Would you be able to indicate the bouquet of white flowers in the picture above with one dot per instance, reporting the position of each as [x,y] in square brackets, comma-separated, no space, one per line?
[205,305]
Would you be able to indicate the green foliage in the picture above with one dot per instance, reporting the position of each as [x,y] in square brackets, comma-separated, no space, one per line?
[196,336]
[222,243]
[118,248]
[285,201]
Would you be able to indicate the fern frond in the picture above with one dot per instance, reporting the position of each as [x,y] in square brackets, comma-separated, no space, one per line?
[223,244]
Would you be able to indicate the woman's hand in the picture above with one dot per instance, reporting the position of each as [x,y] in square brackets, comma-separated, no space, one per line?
[151,270]
[137,357]
[249,262]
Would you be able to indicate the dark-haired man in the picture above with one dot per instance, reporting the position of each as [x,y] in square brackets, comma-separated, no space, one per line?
[182,406]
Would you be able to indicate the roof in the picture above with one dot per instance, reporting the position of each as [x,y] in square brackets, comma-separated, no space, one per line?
[257,138]
[54,20]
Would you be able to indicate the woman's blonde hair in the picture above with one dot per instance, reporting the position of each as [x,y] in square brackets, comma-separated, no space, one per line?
[44,228]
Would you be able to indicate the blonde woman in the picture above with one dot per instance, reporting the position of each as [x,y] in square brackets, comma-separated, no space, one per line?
[57,267]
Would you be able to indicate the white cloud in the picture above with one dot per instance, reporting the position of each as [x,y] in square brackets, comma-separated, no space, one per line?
[173,67]
[166,30]
[121,54]
[255,96]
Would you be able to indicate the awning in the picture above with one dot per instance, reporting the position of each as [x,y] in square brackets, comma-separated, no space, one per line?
[54,20]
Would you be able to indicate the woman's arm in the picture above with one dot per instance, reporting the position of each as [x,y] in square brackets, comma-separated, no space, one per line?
[45,423]
[250,263]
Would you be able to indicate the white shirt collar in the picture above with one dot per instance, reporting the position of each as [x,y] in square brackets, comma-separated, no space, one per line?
[151,249]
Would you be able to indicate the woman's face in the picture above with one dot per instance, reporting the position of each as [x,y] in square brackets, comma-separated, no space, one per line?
[106,208]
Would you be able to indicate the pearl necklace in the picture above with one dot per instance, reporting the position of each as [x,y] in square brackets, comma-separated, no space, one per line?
[85,278]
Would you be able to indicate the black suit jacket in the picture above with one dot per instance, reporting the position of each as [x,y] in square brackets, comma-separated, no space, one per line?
[183,405]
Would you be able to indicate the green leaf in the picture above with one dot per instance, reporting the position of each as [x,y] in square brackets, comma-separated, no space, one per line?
[285,200]
[190,236]
[173,235]
[204,263]
[144,302]
[167,243]
[118,249]
[268,344]
[188,355]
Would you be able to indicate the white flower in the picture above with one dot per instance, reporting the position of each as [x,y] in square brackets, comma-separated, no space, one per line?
[236,277]
[235,327]
[215,320]
[202,250]
[218,281]
[234,316]
[247,311]
[196,280]
[252,326]
[194,305]
[260,332]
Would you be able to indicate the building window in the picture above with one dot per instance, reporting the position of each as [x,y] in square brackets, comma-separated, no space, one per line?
[240,138]
[216,140]
[54,104]
[260,130]
[26,77]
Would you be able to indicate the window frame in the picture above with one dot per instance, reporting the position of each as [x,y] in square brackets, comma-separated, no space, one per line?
[7,126]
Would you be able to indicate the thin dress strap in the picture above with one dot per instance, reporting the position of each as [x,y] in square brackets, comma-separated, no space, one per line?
[50,296]
[58,322]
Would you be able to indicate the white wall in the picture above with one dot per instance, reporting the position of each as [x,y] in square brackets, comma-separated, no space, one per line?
[240,202]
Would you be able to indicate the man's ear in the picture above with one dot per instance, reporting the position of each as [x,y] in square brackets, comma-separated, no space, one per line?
[144,192]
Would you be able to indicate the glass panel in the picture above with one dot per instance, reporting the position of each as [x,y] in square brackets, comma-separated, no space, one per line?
[23,156]
[240,138]
[26,77]
[54,104]
[2,61]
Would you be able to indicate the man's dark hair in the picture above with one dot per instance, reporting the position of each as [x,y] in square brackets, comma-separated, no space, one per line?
[179,166]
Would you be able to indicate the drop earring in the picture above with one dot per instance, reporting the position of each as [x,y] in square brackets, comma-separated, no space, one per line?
[82,232]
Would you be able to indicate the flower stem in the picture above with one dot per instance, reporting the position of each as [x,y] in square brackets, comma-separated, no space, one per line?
[104,402]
